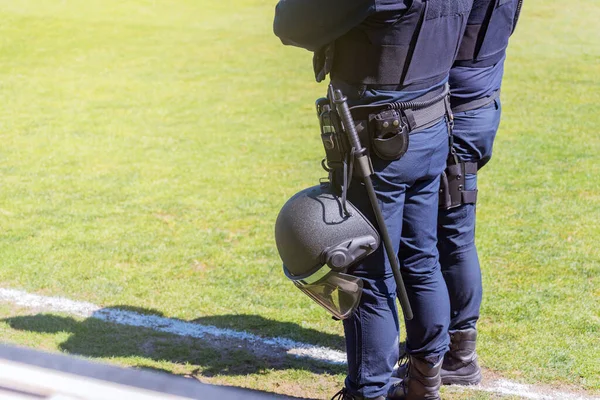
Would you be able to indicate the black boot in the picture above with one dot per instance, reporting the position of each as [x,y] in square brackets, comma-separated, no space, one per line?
[460,365]
[344,395]
[421,382]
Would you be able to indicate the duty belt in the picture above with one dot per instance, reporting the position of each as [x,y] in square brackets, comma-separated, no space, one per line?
[416,114]
[458,106]
[383,130]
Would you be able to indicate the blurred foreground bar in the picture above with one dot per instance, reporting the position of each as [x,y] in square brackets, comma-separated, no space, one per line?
[27,374]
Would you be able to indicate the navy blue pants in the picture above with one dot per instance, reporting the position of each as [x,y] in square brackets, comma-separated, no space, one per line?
[474,133]
[407,190]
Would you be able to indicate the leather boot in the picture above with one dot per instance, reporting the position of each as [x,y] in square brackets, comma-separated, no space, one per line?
[344,395]
[421,382]
[460,365]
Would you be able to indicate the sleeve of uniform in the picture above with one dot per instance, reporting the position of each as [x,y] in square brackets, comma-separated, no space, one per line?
[311,24]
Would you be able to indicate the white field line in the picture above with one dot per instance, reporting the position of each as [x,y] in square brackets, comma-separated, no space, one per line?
[168,325]
[182,328]
[503,386]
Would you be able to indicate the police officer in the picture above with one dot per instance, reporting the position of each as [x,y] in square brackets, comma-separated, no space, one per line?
[475,80]
[392,59]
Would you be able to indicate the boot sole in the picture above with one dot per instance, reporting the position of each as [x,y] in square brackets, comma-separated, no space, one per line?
[463,380]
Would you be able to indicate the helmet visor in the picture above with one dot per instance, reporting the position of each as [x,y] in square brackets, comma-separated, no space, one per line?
[337,292]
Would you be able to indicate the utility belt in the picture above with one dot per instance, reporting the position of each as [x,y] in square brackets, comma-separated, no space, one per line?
[383,129]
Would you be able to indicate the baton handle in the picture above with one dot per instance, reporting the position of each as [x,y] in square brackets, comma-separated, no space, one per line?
[342,108]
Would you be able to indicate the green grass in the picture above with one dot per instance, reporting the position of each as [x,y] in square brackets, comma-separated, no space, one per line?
[147,146]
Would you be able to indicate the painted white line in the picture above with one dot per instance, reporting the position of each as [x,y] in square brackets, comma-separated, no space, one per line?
[183,328]
[168,325]
[503,386]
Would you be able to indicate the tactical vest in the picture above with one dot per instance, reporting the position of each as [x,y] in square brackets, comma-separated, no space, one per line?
[415,52]
[490,24]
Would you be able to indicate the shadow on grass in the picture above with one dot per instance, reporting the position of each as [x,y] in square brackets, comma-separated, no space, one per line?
[208,356]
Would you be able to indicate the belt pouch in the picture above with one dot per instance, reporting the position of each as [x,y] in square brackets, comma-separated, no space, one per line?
[389,138]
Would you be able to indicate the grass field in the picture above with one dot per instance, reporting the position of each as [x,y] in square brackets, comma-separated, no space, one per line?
[146,147]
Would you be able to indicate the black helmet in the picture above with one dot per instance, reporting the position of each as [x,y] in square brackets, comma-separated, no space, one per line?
[318,241]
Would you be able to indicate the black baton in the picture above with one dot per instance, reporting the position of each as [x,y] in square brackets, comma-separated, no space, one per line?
[365,169]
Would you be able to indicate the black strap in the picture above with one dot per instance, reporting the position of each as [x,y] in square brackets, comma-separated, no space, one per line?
[473,104]
[471,168]
[469,196]
[463,168]
[426,117]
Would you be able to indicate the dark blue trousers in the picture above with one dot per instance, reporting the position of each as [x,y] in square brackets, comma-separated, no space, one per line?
[474,133]
[407,190]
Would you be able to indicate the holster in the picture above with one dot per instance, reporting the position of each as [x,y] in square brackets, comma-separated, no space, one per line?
[334,140]
[452,183]
[338,160]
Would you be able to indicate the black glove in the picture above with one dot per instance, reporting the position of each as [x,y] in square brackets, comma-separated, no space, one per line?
[323,61]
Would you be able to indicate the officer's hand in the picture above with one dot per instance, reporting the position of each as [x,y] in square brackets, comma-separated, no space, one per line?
[323,61]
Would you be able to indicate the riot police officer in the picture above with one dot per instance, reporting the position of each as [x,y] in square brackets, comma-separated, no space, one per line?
[391,58]
[475,80]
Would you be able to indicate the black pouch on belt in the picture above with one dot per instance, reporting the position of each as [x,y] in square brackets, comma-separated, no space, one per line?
[334,140]
[389,135]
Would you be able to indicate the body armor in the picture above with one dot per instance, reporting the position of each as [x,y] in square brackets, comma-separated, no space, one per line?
[414,53]
[490,24]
